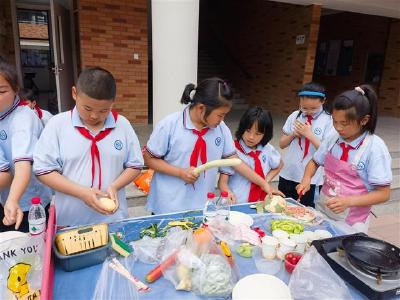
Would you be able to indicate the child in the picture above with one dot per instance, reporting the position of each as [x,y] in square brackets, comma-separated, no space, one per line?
[357,163]
[5,175]
[252,137]
[89,152]
[27,98]
[19,132]
[186,139]
[302,133]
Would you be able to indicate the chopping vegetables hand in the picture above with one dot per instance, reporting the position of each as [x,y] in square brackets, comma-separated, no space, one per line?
[338,204]
[188,175]
[303,187]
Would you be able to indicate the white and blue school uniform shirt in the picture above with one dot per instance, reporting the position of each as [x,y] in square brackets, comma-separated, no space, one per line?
[270,159]
[295,161]
[20,129]
[173,141]
[374,165]
[64,149]
[4,164]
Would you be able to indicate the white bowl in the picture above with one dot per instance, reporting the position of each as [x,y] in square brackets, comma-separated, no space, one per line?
[260,286]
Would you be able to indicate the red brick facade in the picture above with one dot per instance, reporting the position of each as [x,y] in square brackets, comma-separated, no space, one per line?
[262,36]
[389,97]
[110,34]
[33,31]
[369,35]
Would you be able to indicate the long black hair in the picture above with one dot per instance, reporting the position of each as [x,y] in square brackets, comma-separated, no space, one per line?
[263,119]
[358,103]
[212,92]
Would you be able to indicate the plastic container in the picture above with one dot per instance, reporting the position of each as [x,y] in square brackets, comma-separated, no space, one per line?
[210,208]
[82,260]
[223,206]
[266,266]
[36,218]
[290,263]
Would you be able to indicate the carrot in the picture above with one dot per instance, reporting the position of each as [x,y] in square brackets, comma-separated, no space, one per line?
[156,273]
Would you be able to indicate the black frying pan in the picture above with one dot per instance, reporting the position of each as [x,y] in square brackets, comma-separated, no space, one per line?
[372,254]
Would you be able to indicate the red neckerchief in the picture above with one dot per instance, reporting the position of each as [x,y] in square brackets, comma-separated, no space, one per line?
[256,193]
[94,150]
[200,148]
[307,141]
[37,108]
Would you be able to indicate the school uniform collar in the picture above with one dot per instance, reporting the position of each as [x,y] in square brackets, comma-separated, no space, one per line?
[356,143]
[187,122]
[9,110]
[77,122]
[246,149]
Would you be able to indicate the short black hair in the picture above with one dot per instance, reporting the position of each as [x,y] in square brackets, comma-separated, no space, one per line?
[262,118]
[212,92]
[27,94]
[97,83]
[358,104]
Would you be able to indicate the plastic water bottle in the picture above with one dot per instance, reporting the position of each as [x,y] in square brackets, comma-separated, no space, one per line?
[223,207]
[210,209]
[36,218]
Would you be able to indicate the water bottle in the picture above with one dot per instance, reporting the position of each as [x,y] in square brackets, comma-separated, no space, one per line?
[210,209]
[223,206]
[36,218]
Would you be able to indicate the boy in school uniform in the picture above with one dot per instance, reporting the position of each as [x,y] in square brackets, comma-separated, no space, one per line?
[88,153]
[28,99]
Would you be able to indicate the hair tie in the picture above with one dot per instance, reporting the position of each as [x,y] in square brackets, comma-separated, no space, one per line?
[191,94]
[360,90]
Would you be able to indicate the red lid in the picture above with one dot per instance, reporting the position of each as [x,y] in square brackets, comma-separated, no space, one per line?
[224,194]
[210,195]
[36,200]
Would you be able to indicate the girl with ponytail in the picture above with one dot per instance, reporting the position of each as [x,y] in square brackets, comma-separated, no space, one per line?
[186,139]
[357,162]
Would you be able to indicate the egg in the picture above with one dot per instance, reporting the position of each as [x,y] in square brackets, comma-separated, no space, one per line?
[107,204]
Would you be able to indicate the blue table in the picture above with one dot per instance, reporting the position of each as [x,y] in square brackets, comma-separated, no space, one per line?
[80,284]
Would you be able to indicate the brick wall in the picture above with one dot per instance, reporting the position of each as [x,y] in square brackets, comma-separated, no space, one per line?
[369,35]
[262,37]
[110,33]
[389,96]
[33,31]
[6,32]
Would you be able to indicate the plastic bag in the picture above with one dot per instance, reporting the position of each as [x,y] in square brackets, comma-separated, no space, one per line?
[154,250]
[313,278]
[147,250]
[21,264]
[143,181]
[222,230]
[201,267]
[112,285]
